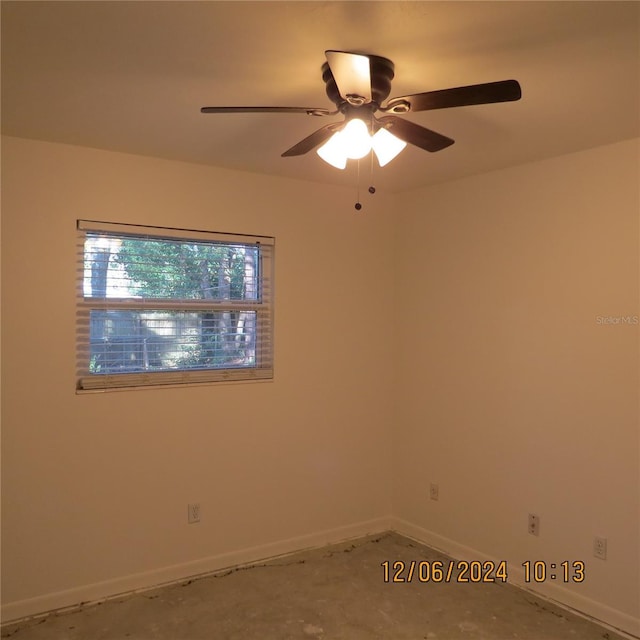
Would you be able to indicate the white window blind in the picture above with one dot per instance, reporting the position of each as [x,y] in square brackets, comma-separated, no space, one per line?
[168,306]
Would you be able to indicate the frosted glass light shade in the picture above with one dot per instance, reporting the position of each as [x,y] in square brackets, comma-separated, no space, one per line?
[355,139]
[332,151]
[386,146]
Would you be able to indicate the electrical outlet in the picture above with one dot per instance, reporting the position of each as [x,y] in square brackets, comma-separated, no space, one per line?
[434,491]
[600,548]
[534,524]
[193,512]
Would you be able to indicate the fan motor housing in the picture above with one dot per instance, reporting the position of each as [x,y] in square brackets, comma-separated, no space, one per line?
[382,72]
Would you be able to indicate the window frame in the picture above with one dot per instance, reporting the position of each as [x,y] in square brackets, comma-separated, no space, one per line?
[262,305]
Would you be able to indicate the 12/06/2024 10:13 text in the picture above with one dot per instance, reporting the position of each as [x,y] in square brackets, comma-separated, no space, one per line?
[478,571]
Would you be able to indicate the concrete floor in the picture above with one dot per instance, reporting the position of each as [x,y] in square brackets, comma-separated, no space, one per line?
[334,593]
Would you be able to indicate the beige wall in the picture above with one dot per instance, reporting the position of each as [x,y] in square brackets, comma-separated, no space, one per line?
[502,386]
[95,487]
[512,397]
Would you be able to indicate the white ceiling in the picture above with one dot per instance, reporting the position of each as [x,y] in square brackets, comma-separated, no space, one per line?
[132,76]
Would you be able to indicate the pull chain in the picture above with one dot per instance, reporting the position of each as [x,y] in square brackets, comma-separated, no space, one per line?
[372,189]
[358,205]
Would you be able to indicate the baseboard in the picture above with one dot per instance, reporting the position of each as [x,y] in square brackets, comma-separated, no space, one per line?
[101,591]
[613,618]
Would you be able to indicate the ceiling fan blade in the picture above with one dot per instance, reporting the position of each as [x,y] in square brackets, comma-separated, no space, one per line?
[312,111]
[489,92]
[312,141]
[352,73]
[415,134]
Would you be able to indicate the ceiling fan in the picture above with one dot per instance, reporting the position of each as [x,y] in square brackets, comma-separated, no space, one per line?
[358,84]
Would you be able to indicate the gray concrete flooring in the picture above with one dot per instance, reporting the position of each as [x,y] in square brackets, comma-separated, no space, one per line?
[334,593]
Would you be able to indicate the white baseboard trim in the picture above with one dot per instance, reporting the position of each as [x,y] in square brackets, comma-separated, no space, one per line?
[616,620]
[100,591]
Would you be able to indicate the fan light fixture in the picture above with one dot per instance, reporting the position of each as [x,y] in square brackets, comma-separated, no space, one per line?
[359,85]
[353,142]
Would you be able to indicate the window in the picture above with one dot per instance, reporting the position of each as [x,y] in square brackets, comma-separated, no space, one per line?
[168,306]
